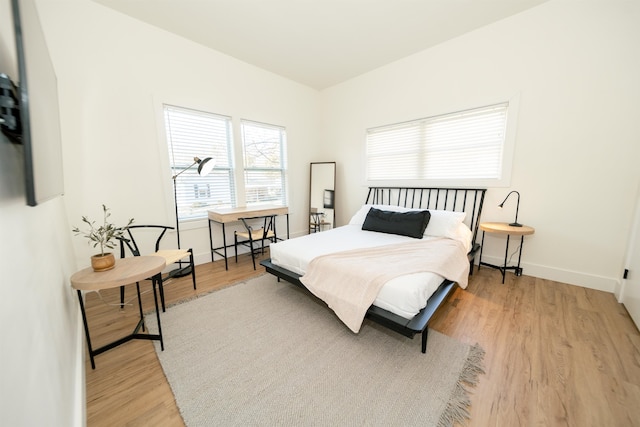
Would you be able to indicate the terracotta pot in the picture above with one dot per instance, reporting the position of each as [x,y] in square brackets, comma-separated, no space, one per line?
[103,262]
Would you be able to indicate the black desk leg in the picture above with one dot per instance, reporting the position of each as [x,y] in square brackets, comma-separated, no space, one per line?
[86,330]
[210,239]
[224,243]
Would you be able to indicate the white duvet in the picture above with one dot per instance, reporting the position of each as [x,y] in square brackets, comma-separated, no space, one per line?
[405,295]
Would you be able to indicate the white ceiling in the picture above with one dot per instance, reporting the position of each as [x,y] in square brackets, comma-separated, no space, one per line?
[319,43]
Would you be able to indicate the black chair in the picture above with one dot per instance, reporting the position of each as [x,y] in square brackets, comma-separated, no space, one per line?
[155,233]
[251,235]
[317,221]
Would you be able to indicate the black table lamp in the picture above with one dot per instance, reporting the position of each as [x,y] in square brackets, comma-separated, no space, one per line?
[515,223]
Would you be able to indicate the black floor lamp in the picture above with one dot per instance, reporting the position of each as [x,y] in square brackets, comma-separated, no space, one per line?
[205,166]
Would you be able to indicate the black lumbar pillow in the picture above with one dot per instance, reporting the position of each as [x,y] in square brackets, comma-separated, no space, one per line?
[410,224]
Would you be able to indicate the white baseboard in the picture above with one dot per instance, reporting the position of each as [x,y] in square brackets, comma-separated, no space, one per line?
[591,281]
[205,257]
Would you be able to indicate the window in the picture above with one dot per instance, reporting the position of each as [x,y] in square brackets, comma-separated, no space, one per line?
[265,174]
[190,134]
[467,146]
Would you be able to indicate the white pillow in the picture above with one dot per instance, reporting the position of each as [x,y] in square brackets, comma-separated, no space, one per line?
[444,223]
[441,224]
[464,235]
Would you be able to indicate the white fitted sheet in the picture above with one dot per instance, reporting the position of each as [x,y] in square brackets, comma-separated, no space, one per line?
[405,295]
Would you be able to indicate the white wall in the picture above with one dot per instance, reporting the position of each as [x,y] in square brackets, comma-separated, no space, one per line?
[41,360]
[576,67]
[115,73]
[574,64]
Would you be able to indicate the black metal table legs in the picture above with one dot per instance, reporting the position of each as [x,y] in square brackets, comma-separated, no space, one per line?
[503,268]
[157,279]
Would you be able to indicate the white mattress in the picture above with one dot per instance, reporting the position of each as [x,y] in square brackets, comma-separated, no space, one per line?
[404,296]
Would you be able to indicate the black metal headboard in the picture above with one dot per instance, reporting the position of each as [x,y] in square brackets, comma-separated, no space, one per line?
[467,200]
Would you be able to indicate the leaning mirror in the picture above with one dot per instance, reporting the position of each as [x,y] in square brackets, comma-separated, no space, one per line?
[322,196]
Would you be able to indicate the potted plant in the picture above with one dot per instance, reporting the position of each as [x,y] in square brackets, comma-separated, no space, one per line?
[102,236]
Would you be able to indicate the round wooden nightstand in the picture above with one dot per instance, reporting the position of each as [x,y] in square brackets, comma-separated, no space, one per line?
[508,230]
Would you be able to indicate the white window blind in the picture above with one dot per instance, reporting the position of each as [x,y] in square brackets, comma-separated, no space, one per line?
[192,133]
[265,171]
[464,145]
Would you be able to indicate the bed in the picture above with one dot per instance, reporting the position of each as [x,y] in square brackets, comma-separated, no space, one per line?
[412,274]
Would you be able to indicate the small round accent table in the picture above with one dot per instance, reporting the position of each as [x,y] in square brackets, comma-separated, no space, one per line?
[509,230]
[126,271]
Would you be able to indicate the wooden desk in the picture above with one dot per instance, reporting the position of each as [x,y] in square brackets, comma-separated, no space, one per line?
[227,215]
[508,230]
[126,271]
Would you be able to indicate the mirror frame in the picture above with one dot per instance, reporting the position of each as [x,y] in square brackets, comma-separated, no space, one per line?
[320,191]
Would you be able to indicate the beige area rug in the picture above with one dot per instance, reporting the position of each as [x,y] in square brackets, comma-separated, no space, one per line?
[267,353]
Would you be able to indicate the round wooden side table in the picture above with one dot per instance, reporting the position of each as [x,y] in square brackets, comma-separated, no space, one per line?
[126,271]
[508,230]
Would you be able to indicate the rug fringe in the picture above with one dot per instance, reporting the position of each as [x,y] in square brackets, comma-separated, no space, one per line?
[459,401]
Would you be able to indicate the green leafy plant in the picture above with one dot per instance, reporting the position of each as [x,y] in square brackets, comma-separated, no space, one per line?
[104,234]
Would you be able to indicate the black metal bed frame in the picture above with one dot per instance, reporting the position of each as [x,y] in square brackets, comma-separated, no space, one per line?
[469,200]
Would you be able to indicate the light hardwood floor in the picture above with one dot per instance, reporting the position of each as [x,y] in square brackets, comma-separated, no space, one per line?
[555,354]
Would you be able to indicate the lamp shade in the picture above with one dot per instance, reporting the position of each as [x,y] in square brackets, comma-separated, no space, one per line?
[205,166]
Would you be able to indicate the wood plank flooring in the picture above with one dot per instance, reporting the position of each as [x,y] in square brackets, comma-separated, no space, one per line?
[556,355]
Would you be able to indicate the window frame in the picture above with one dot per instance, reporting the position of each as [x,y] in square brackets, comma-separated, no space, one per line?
[508,151]
[227,169]
[282,170]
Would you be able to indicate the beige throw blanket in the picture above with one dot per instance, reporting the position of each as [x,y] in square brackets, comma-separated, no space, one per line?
[349,281]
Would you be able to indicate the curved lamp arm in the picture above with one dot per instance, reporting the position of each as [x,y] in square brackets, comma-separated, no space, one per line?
[515,223]
[204,167]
